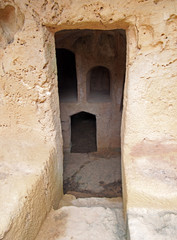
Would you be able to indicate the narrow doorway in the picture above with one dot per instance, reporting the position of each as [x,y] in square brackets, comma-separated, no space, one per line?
[91,71]
[83,133]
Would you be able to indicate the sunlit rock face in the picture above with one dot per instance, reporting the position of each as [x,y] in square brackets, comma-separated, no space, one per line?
[30,117]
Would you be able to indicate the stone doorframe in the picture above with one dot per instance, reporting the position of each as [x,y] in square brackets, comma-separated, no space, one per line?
[50,53]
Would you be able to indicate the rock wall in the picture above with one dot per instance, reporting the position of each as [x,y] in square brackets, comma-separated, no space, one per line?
[29,185]
[28,85]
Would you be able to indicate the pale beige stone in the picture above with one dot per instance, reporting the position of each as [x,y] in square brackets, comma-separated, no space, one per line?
[29,97]
[28,185]
[88,220]
[152,224]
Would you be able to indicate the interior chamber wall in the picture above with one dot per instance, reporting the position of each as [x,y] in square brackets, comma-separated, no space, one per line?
[96,81]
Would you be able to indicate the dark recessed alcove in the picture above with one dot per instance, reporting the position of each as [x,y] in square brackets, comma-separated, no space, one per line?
[83,133]
[67,79]
[98,84]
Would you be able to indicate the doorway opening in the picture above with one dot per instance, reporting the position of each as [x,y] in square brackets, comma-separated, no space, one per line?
[91,109]
[83,133]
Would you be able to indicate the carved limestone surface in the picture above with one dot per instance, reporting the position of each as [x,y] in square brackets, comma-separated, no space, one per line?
[135,40]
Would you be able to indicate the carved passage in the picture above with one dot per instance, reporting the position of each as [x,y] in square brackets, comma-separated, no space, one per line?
[90,103]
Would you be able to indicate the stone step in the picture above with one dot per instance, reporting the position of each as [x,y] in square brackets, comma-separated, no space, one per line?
[84,219]
[70,200]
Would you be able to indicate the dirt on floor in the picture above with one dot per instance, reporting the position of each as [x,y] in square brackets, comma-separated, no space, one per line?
[93,174]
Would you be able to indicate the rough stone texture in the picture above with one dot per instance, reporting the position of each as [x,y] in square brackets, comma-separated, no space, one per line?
[85,222]
[28,86]
[11,21]
[28,186]
[27,95]
[152,224]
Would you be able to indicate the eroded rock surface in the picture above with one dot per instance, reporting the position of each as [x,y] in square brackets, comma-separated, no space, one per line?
[152,224]
[87,221]
[29,100]
[11,21]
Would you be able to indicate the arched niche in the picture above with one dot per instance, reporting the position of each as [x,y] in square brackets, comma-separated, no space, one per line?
[98,84]
[83,133]
[67,78]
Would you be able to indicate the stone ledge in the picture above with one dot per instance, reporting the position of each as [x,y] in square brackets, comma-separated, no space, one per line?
[28,186]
